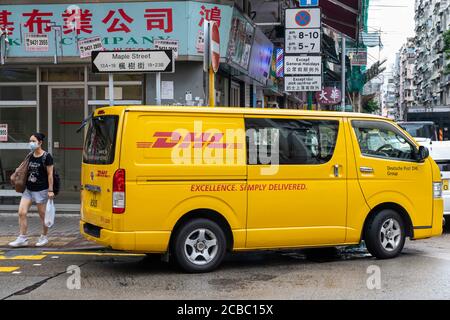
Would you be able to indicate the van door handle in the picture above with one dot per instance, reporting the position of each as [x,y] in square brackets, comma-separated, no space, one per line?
[336,170]
[366,170]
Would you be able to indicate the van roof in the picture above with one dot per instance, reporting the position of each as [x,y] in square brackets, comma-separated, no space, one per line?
[234,110]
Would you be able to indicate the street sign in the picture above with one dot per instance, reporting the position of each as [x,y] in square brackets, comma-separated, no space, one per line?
[308,3]
[303,18]
[133,61]
[86,46]
[303,40]
[303,65]
[357,58]
[302,83]
[215,46]
[35,42]
[173,45]
[4,132]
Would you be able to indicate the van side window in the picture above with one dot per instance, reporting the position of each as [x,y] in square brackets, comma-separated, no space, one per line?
[293,141]
[382,140]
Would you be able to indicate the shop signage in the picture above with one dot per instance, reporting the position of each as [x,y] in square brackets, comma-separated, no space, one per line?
[303,83]
[241,40]
[120,25]
[358,58]
[86,46]
[36,42]
[329,96]
[303,40]
[303,65]
[167,45]
[280,62]
[133,61]
[3,132]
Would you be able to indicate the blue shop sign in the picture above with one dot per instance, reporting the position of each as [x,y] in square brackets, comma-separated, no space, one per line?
[121,26]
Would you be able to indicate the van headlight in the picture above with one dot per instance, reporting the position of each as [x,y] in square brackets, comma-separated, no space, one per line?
[437,189]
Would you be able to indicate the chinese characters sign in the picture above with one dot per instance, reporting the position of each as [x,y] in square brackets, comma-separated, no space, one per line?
[329,96]
[120,26]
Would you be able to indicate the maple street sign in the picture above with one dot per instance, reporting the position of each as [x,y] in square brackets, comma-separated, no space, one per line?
[133,61]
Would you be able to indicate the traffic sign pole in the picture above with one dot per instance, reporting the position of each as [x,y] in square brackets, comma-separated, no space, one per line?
[212,89]
[343,73]
[158,88]
[111,89]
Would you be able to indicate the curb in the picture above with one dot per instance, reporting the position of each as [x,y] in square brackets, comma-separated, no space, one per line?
[35,214]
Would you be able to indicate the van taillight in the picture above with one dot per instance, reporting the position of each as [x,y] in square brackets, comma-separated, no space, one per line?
[119,191]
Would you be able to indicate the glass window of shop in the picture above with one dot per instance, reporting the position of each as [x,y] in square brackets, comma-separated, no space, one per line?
[18,117]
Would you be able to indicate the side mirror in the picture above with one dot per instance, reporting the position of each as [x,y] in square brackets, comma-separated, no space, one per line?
[423,153]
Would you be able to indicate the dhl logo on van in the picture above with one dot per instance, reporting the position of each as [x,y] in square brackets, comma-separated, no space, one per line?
[168,140]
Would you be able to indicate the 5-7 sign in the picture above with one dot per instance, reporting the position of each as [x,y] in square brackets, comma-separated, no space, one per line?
[303,40]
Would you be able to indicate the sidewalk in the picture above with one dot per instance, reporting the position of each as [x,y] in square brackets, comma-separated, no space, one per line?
[64,234]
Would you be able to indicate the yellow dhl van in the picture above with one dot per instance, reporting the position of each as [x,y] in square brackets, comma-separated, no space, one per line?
[196,182]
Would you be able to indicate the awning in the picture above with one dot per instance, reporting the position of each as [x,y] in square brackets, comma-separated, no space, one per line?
[343,16]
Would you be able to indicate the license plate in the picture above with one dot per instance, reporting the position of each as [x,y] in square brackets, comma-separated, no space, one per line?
[445,185]
[93,203]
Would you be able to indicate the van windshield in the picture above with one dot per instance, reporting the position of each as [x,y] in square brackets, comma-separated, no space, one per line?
[100,143]
[420,130]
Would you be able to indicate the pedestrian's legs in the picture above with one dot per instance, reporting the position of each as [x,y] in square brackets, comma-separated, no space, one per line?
[41,209]
[24,206]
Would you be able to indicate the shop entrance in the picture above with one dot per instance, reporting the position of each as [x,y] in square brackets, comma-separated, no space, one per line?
[65,114]
[235,95]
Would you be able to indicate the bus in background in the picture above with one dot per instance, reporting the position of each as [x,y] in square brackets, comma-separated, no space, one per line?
[425,133]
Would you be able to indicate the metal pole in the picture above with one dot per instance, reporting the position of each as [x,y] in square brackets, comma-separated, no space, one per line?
[206,63]
[343,73]
[111,89]
[212,89]
[158,88]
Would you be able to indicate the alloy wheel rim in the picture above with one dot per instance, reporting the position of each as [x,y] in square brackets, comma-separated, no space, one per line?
[390,234]
[201,247]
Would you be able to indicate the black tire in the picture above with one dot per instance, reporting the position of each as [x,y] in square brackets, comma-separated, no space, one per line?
[374,236]
[183,252]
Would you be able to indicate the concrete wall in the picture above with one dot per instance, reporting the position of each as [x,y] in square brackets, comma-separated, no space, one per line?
[188,77]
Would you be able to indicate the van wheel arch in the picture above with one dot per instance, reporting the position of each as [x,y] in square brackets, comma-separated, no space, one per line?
[392,206]
[205,214]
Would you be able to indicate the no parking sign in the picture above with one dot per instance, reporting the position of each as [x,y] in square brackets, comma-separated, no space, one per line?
[303,18]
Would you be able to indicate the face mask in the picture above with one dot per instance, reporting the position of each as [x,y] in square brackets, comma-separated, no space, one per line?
[33,146]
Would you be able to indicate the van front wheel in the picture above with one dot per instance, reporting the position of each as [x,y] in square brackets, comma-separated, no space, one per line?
[385,234]
[199,246]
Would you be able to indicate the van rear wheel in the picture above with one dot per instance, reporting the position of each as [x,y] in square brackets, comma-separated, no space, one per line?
[385,234]
[199,246]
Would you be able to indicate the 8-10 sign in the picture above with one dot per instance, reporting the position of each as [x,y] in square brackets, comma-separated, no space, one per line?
[303,41]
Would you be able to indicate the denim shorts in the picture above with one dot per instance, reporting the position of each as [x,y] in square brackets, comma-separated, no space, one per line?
[38,197]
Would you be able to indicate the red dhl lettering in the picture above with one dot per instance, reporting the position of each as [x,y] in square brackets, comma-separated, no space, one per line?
[102,173]
[168,140]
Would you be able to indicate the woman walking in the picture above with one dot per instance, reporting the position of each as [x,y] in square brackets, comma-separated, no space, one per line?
[39,189]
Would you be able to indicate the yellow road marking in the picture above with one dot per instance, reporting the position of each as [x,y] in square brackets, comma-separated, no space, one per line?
[35,257]
[94,254]
[8,269]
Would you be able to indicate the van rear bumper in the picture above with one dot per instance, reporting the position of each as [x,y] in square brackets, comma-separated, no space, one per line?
[147,242]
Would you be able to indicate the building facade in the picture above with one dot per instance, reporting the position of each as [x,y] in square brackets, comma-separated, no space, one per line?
[432,98]
[405,78]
